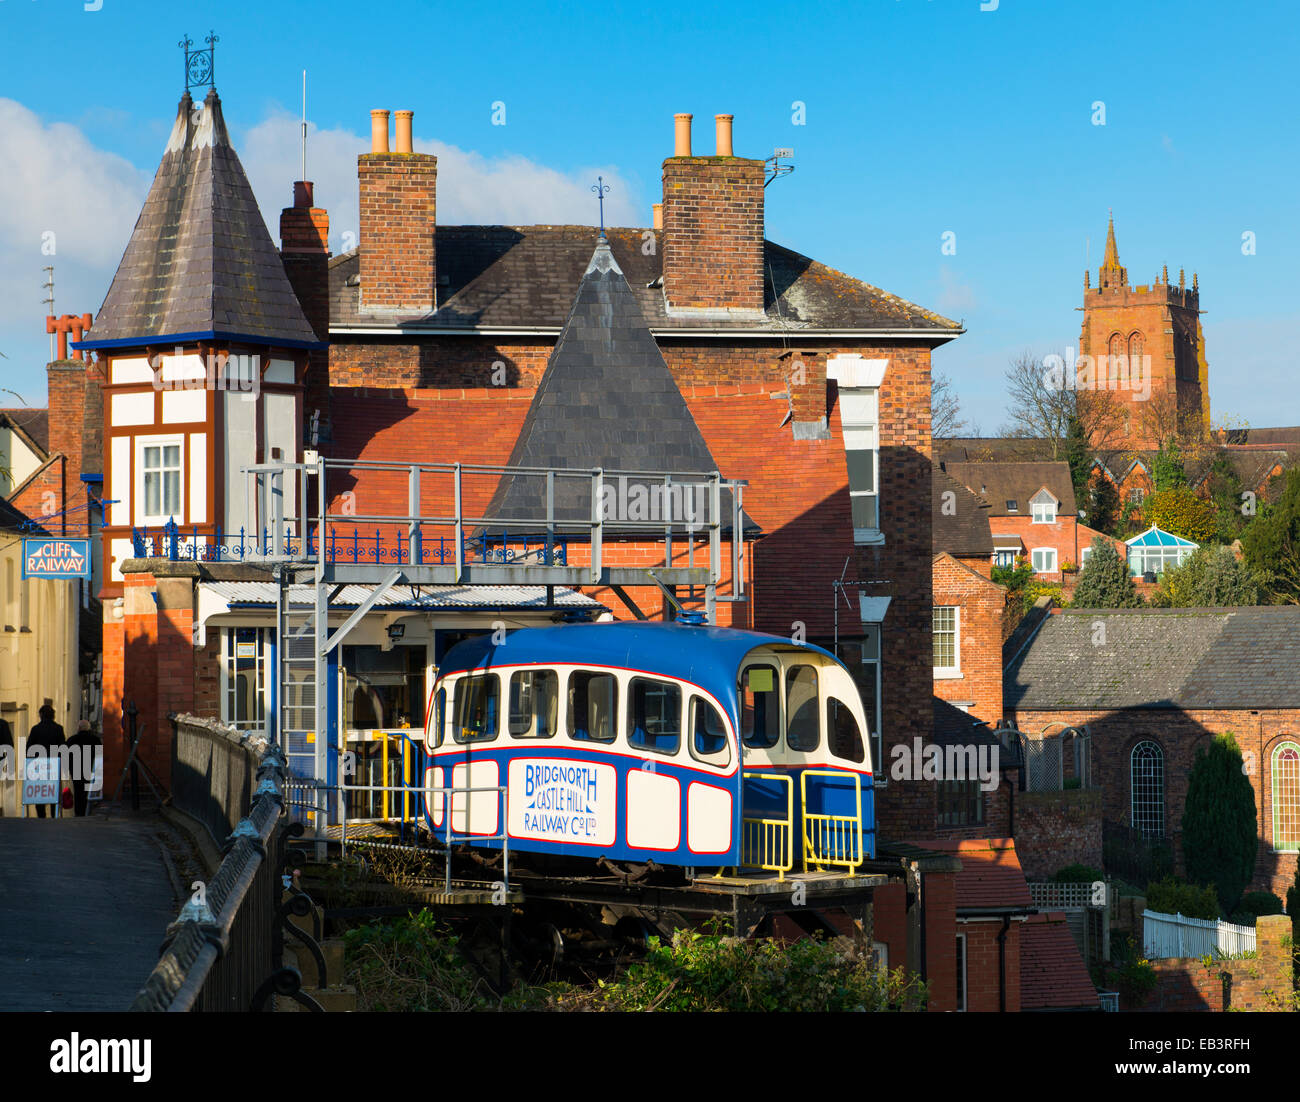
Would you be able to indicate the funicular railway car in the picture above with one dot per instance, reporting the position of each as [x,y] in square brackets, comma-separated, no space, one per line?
[676,743]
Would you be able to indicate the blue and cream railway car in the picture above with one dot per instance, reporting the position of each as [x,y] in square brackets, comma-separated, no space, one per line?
[636,741]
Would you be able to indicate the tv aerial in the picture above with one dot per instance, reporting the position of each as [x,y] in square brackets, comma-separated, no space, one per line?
[774,164]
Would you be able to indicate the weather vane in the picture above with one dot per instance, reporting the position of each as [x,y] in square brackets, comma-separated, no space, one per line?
[199,64]
[600,188]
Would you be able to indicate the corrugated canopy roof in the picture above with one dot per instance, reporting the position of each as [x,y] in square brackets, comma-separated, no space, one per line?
[429,597]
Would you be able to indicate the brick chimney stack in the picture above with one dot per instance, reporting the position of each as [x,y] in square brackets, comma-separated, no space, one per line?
[713,227]
[398,207]
[304,248]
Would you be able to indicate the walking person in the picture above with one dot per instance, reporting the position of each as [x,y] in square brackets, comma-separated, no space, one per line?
[46,734]
[8,765]
[81,768]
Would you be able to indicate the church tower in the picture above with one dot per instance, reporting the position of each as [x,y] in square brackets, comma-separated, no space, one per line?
[1148,350]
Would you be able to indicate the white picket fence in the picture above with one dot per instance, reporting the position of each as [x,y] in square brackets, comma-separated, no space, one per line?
[1179,936]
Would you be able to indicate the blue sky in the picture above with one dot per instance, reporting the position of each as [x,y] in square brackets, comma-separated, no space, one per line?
[921,117]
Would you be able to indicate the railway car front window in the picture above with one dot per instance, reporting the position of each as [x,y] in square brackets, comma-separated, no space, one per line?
[802,722]
[842,730]
[593,706]
[708,735]
[760,707]
[476,708]
[654,715]
[534,701]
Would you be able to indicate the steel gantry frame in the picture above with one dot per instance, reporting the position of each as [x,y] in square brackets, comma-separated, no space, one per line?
[304,560]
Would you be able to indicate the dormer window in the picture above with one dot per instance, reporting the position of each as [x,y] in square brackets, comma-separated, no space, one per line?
[1013,506]
[1042,508]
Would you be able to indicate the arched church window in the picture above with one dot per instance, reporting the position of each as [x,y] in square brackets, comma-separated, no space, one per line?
[1147,789]
[1116,345]
[1286,796]
[1134,347]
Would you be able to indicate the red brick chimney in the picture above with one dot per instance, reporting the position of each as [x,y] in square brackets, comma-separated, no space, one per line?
[67,417]
[304,248]
[398,205]
[713,226]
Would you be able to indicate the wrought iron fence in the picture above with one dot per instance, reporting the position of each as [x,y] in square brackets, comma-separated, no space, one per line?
[1129,855]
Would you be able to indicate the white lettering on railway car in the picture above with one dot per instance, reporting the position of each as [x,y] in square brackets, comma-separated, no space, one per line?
[563,801]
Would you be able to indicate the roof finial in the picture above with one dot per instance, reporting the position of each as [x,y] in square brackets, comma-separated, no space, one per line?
[200,66]
[1111,271]
[600,188]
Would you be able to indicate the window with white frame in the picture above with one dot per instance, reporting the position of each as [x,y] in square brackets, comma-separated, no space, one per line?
[1044,560]
[159,482]
[1042,508]
[1005,557]
[859,408]
[1147,789]
[1137,495]
[1083,556]
[1286,797]
[947,641]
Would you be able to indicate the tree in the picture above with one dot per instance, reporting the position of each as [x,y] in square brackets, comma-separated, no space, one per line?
[1042,402]
[1103,511]
[1224,486]
[1180,511]
[1219,828]
[1079,456]
[1167,468]
[945,423]
[1271,542]
[1104,581]
[1211,577]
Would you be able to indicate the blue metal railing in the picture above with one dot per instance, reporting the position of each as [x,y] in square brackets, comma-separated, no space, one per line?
[174,543]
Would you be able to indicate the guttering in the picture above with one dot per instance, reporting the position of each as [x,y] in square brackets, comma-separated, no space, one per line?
[657,332]
[150,340]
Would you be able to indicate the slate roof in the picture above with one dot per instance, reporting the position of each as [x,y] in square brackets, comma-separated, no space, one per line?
[14,519]
[33,423]
[960,524]
[200,262]
[522,277]
[1160,658]
[606,399]
[991,449]
[999,483]
[1052,973]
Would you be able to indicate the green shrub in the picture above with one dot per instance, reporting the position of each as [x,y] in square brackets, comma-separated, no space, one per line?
[1078,874]
[1255,904]
[1170,896]
[1135,980]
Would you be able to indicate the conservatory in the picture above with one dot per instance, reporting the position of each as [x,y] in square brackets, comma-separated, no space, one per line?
[1153,550]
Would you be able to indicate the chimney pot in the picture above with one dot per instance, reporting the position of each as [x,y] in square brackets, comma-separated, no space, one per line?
[658,219]
[682,125]
[723,123]
[302,193]
[379,131]
[404,131]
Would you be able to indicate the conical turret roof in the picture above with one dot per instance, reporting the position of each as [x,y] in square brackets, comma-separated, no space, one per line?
[200,264]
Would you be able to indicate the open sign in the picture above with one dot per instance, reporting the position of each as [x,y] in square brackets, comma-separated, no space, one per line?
[41,781]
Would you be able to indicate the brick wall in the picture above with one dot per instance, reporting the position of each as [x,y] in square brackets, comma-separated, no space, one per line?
[713,233]
[1056,829]
[940,917]
[984,977]
[43,500]
[980,606]
[1180,733]
[1260,984]
[67,386]
[398,207]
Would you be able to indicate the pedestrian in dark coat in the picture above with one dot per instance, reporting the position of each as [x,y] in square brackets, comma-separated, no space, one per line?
[49,735]
[81,767]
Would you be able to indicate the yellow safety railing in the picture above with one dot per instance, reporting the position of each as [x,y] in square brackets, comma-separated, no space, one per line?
[407,793]
[831,839]
[767,843]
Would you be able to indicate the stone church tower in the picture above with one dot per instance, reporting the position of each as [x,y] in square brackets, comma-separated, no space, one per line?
[1157,325]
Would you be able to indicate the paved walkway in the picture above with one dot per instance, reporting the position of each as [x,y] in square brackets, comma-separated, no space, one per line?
[84,904]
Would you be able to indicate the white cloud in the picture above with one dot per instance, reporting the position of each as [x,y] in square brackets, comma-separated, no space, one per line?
[57,192]
[472,188]
[955,299]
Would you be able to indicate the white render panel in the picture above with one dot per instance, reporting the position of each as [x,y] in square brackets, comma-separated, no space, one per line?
[119,549]
[708,818]
[852,369]
[183,368]
[180,406]
[654,817]
[280,430]
[198,474]
[279,371]
[238,449]
[130,369]
[119,480]
[132,409]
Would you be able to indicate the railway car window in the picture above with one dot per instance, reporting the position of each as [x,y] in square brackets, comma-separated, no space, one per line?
[802,725]
[534,701]
[476,708]
[654,715]
[593,706]
[708,734]
[760,707]
[842,731]
[438,723]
